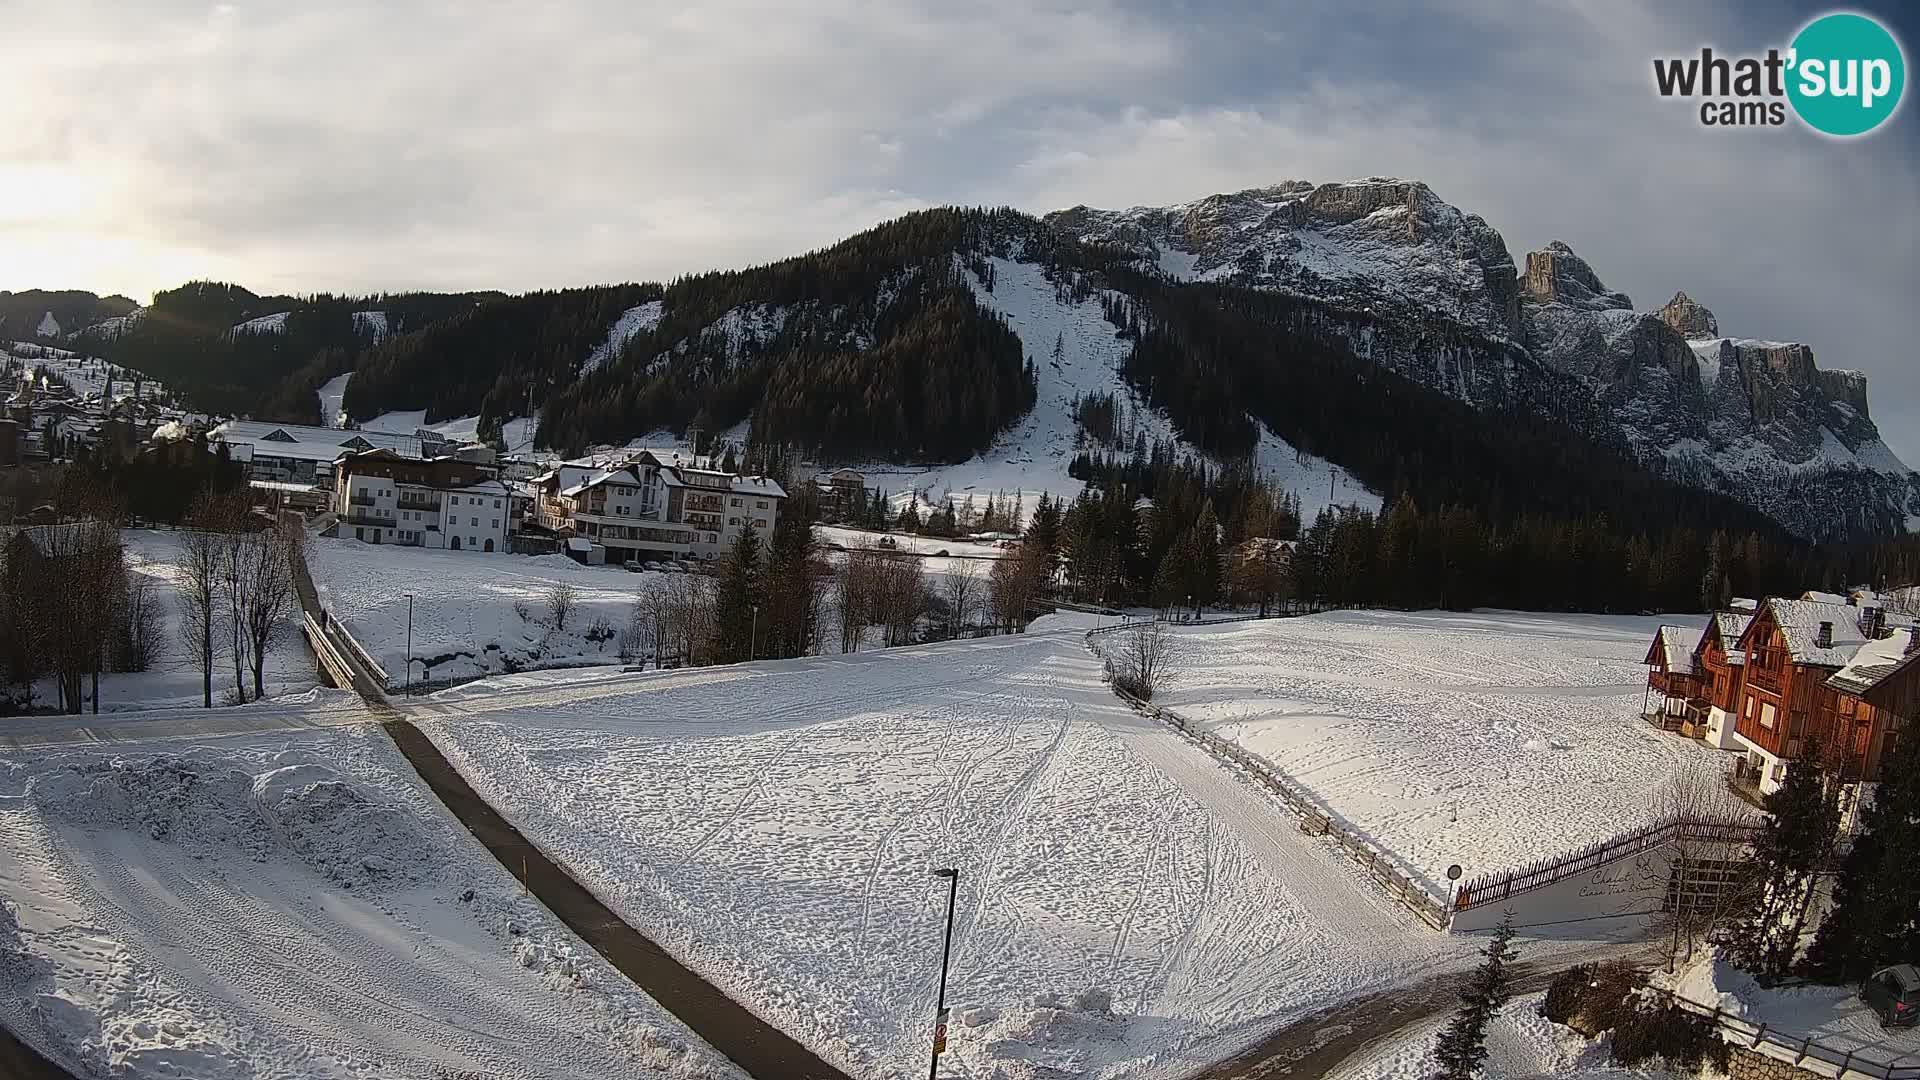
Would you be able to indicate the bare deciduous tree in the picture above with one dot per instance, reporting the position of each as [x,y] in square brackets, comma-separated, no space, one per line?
[561,599]
[1714,882]
[203,552]
[900,598]
[265,559]
[857,585]
[140,623]
[960,589]
[1140,658]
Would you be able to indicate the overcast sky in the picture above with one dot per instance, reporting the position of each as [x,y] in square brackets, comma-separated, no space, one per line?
[354,146]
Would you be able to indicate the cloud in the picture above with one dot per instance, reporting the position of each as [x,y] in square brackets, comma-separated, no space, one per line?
[367,146]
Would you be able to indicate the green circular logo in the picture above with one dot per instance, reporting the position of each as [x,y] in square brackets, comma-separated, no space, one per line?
[1846,75]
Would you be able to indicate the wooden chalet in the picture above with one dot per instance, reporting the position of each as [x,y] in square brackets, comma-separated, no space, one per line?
[1720,665]
[1671,675]
[1793,690]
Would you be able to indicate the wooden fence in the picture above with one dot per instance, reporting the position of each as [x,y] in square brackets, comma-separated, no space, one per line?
[1797,1050]
[1494,888]
[1315,820]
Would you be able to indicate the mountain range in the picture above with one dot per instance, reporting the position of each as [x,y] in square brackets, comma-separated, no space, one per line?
[1365,336]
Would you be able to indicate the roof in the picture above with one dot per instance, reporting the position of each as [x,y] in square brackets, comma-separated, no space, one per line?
[1823,597]
[307,443]
[1731,626]
[1799,622]
[1875,662]
[1744,603]
[1676,645]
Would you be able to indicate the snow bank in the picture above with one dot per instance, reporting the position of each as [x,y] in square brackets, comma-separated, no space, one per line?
[1521,1045]
[291,906]
[1487,739]
[1832,1015]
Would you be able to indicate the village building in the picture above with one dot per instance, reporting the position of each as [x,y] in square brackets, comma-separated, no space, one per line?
[383,497]
[1720,666]
[1671,675]
[643,509]
[302,454]
[1794,691]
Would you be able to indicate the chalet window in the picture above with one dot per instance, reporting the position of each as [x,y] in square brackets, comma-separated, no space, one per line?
[1766,716]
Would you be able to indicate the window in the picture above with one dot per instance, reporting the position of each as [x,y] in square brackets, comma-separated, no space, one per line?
[1766,716]
[733,521]
[472,541]
[760,504]
[475,522]
[496,523]
[759,523]
[496,504]
[453,500]
[736,502]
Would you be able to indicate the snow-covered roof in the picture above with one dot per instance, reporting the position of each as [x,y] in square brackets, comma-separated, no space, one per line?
[1731,626]
[1799,622]
[1823,597]
[1874,662]
[1676,644]
[307,443]
[1744,603]
[759,485]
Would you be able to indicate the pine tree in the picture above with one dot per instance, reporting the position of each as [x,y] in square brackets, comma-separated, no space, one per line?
[1714,591]
[1463,1045]
[1803,820]
[1203,581]
[1876,908]
[739,596]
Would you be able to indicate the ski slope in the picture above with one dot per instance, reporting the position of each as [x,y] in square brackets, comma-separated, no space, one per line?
[1486,739]
[1126,906]
[1033,456]
[290,906]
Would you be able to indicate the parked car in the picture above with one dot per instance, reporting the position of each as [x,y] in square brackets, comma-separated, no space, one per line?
[1894,994]
[889,542]
[633,566]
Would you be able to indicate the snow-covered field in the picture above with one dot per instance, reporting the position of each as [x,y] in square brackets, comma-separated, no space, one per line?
[1521,1045]
[1126,905]
[465,620]
[290,906]
[517,433]
[174,681]
[87,376]
[1486,739]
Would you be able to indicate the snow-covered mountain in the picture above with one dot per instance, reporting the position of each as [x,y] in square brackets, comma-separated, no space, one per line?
[1753,419]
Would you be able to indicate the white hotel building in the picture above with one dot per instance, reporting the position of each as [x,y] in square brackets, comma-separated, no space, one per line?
[644,509]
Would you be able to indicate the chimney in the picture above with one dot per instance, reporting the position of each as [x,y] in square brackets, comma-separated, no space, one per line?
[1913,639]
[1873,622]
[1824,639]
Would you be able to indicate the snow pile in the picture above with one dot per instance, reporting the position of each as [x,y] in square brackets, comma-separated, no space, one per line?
[1831,1015]
[1487,739]
[744,815]
[288,906]
[472,614]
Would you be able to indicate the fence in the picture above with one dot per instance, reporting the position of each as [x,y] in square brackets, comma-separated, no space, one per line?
[1493,888]
[1799,1051]
[1315,820]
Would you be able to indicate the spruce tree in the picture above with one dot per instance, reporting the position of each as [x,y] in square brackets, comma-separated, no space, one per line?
[1875,919]
[734,614]
[1463,1045]
[1803,821]
[1204,571]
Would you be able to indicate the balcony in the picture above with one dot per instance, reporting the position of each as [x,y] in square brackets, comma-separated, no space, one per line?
[419,502]
[361,500]
[365,517]
[1768,679]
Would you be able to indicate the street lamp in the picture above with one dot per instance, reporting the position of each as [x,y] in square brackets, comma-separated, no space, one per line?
[753,635]
[409,641]
[946,952]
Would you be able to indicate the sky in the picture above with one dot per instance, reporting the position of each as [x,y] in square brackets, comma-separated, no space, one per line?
[364,147]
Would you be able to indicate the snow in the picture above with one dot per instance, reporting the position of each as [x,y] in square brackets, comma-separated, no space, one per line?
[275,323]
[1487,739]
[517,433]
[174,681]
[333,394]
[775,826]
[1833,1016]
[1521,1045]
[464,619]
[284,906]
[49,326]
[632,321]
[1033,456]
[86,375]
[371,322]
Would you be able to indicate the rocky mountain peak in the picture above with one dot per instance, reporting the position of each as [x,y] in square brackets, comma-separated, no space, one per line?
[1688,316]
[1555,275]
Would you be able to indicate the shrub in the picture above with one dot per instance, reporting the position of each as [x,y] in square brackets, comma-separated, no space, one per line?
[1565,992]
[1651,1027]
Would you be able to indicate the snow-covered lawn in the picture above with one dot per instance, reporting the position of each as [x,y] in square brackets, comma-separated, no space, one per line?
[1486,739]
[465,620]
[777,825]
[290,906]
[174,681]
[1521,1045]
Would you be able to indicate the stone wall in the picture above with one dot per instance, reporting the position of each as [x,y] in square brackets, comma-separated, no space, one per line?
[1744,1064]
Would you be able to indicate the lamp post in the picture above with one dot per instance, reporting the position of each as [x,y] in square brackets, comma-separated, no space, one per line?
[753,635]
[946,952]
[409,641]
